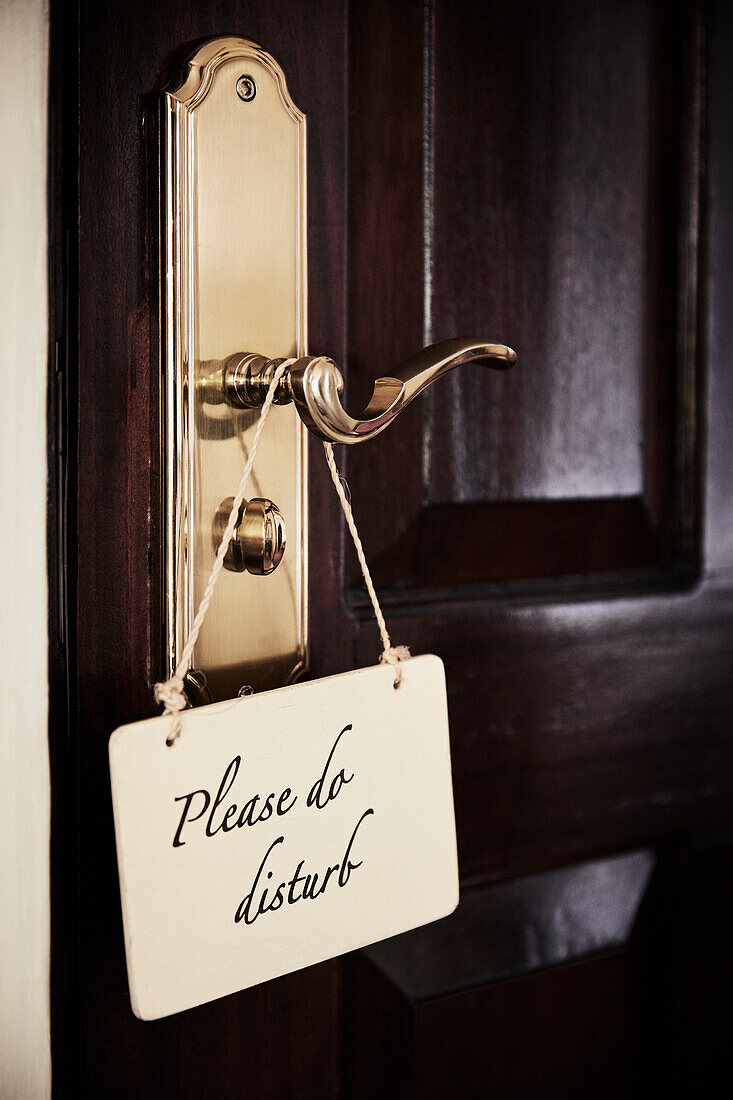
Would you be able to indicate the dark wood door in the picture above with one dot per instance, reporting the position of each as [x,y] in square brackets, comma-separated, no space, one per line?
[550,175]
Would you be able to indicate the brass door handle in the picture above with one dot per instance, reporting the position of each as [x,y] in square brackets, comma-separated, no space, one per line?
[315,384]
[234,278]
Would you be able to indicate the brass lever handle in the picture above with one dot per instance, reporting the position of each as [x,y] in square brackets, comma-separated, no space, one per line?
[315,384]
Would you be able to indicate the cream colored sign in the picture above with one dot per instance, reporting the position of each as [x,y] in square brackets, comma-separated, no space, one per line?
[280,830]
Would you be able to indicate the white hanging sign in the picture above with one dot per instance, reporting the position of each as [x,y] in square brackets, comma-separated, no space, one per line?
[280,830]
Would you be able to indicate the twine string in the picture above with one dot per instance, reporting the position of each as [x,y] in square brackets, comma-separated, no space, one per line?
[391,655]
[171,692]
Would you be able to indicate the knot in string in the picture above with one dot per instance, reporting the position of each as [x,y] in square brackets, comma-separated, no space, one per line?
[393,656]
[171,694]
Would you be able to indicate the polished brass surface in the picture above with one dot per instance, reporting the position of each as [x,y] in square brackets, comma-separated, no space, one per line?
[245,380]
[315,385]
[258,544]
[233,269]
[196,688]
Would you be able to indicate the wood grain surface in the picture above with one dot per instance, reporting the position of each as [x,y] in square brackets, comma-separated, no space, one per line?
[552,176]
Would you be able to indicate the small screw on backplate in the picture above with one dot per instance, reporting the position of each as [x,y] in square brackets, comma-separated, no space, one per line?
[246,88]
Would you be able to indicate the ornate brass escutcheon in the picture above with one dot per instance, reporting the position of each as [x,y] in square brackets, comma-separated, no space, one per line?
[233,274]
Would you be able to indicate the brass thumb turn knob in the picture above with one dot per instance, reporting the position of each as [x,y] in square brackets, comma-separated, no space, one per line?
[259,540]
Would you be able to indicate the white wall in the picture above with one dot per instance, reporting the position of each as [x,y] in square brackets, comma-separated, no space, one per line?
[25,1059]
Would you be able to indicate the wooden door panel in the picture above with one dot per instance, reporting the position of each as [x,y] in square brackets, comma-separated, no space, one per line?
[544,171]
[546,198]
[608,979]
[582,728]
[486,1004]
[718,245]
[564,1034]
[530,172]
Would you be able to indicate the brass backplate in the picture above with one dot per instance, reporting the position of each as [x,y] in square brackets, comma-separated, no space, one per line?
[233,273]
